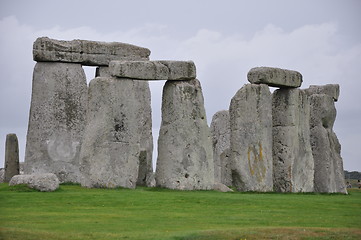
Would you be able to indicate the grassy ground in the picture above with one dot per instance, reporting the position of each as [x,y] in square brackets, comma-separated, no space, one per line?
[73,212]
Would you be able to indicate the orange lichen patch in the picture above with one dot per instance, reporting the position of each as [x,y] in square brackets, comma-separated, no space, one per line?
[256,162]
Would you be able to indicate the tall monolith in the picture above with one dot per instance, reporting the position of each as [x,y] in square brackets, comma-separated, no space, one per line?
[221,133]
[326,149]
[57,120]
[110,152]
[251,138]
[293,165]
[11,157]
[185,155]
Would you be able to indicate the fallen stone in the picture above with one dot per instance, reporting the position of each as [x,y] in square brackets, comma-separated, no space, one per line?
[109,157]
[185,155]
[57,120]
[251,138]
[332,90]
[275,77]
[88,53]
[153,70]
[326,149]
[44,182]
[220,187]
[11,157]
[293,165]
[221,133]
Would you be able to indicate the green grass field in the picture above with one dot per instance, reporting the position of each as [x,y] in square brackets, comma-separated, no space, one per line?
[73,212]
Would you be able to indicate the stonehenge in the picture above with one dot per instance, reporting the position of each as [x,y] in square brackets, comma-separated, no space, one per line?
[43,182]
[12,166]
[100,135]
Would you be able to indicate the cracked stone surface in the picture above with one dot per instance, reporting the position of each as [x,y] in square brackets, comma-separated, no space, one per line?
[326,149]
[110,153]
[293,165]
[57,120]
[251,138]
[185,155]
[88,53]
[221,133]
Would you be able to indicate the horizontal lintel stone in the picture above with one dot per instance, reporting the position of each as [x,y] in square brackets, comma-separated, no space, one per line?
[275,77]
[89,53]
[154,70]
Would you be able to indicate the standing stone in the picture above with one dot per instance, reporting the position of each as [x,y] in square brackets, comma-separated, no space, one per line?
[89,53]
[143,94]
[185,155]
[275,77]
[57,120]
[11,157]
[110,152]
[332,90]
[251,138]
[293,165]
[145,173]
[221,133]
[326,149]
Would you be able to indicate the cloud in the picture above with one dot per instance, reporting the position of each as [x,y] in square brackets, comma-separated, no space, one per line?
[222,61]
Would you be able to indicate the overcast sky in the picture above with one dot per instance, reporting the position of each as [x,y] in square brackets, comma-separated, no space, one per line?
[320,39]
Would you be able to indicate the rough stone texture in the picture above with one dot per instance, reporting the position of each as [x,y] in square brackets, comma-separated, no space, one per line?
[251,138]
[142,91]
[332,90]
[57,120]
[2,175]
[275,77]
[221,133]
[111,147]
[45,182]
[326,149]
[11,156]
[221,188]
[88,53]
[185,155]
[154,70]
[293,165]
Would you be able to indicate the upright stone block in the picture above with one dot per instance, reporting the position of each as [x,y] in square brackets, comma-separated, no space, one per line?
[57,120]
[221,133]
[275,77]
[293,165]
[185,159]
[11,157]
[89,53]
[251,138]
[332,90]
[110,152]
[326,149]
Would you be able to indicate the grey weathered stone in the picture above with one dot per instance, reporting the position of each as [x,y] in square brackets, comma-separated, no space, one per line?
[154,70]
[2,175]
[326,149]
[293,165]
[275,77]
[185,155]
[143,95]
[88,53]
[11,156]
[251,138]
[44,182]
[220,187]
[332,90]
[221,133]
[142,91]
[57,120]
[111,147]
[150,180]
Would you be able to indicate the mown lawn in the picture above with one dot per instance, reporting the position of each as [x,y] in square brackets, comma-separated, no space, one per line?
[73,212]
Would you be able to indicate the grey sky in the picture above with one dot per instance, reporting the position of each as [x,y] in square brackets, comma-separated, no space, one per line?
[321,39]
